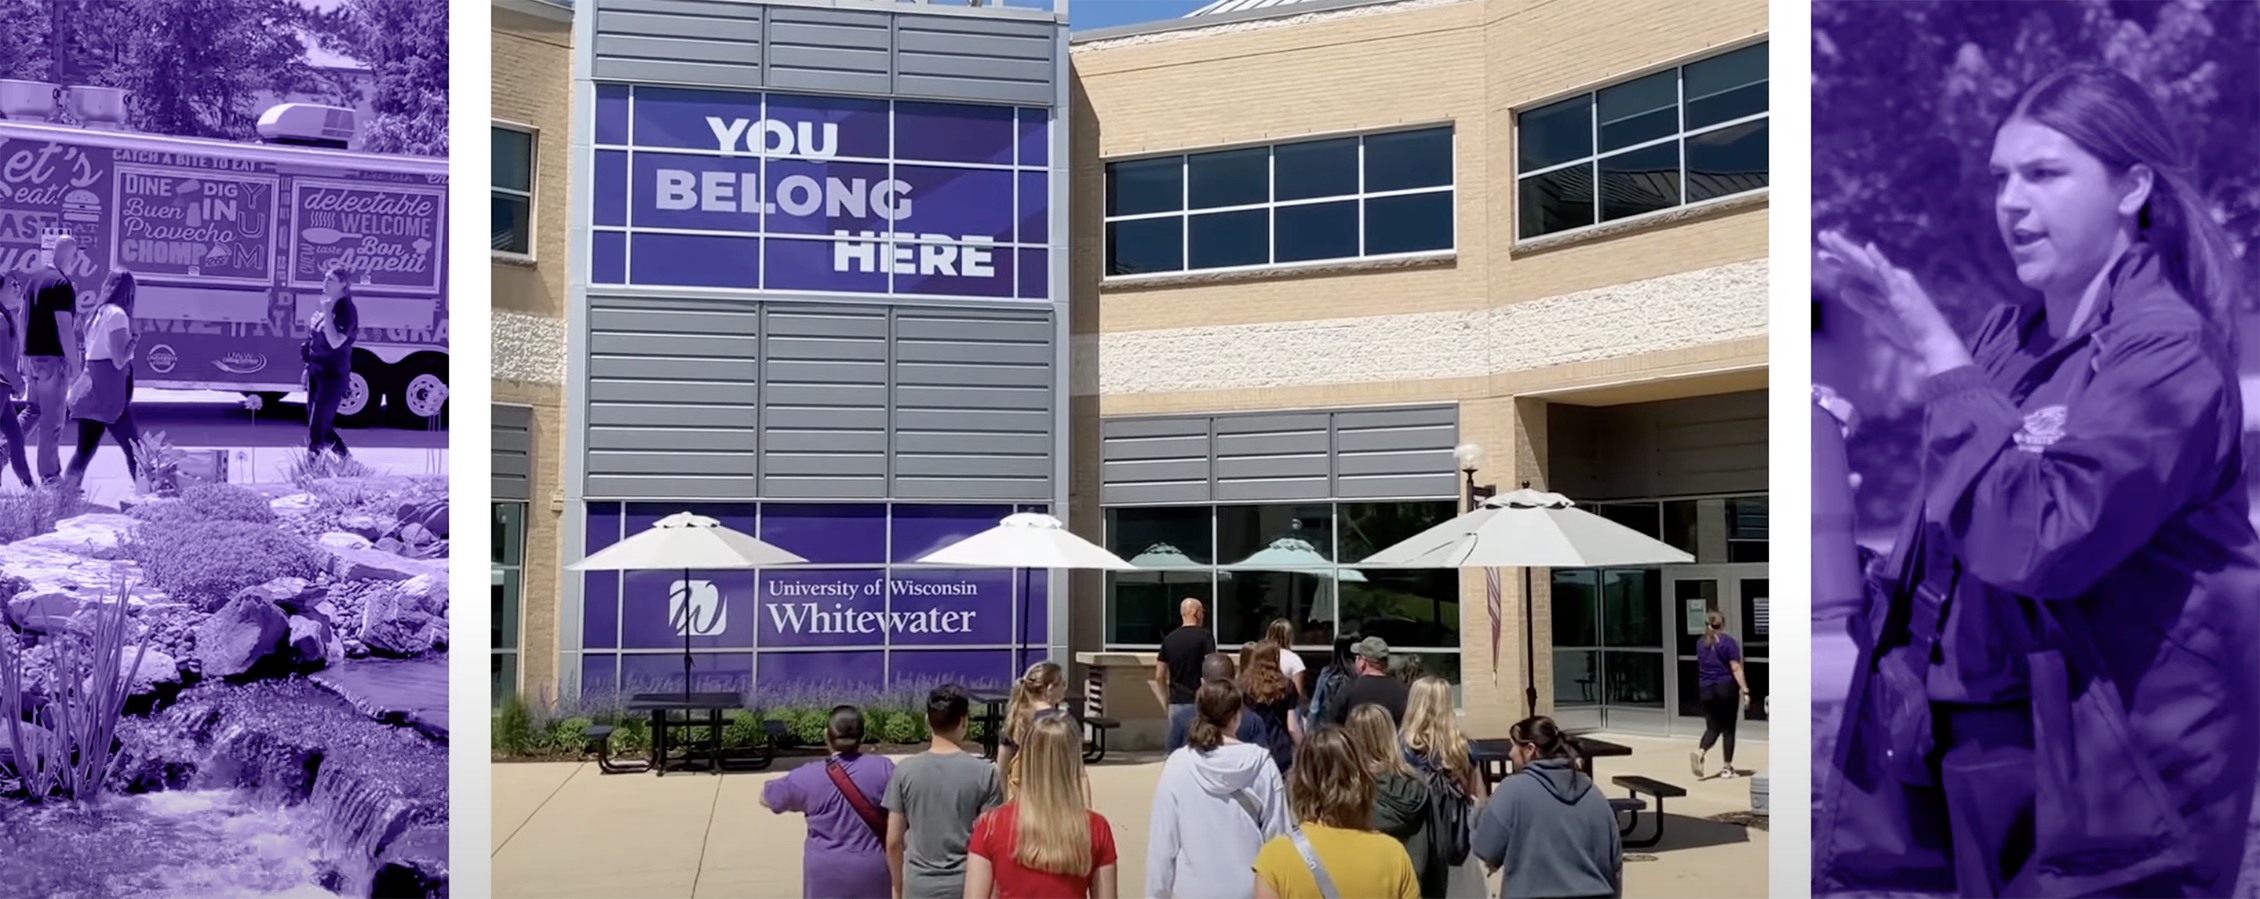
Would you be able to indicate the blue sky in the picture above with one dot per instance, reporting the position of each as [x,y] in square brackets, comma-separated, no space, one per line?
[1087,14]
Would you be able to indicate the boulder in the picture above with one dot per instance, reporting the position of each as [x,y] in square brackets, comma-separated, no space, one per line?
[391,545]
[84,535]
[426,593]
[415,534]
[239,636]
[158,670]
[337,540]
[394,623]
[366,527]
[313,644]
[44,610]
[378,565]
[293,504]
[294,595]
[413,864]
[431,514]
[33,735]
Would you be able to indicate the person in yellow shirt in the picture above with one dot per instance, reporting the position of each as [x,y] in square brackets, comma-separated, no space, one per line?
[1334,853]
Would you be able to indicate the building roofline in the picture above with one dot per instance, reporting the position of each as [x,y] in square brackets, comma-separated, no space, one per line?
[541,9]
[1199,20]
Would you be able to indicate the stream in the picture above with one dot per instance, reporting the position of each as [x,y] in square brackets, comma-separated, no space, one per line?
[270,789]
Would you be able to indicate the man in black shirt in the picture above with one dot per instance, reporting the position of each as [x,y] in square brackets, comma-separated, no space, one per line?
[1372,685]
[1177,673]
[51,352]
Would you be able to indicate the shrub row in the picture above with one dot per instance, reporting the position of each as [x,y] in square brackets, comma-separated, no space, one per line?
[518,733]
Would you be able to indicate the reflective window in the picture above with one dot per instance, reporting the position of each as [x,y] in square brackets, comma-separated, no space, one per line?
[1687,134]
[1339,198]
[513,194]
[509,538]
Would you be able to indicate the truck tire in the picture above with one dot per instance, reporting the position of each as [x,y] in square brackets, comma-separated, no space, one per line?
[363,398]
[419,393]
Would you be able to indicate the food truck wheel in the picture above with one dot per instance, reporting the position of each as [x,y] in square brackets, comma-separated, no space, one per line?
[360,404]
[420,394]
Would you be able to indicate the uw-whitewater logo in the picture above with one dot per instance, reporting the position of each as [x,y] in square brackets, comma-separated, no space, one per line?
[695,609]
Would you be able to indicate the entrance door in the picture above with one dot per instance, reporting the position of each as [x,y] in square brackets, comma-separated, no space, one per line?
[1742,594]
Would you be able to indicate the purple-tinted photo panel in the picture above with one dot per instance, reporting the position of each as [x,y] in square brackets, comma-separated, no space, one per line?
[811,197]
[948,132]
[921,529]
[827,127]
[600,590]
[1035,606]
[1034,202]
[612,115]
[711,672]
[828,533]
[608,257]
[610,188]
[964,666]
[957,269]
[721,607]
[950,607]
[677,117]
[694,260]
[701,193]
[1034,274]
[823,607]
[957,202]
[858,266]
[1035,136]
[600,678]
[847,672]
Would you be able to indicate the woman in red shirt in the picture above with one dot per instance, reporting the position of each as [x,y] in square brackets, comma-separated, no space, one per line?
[1046,843]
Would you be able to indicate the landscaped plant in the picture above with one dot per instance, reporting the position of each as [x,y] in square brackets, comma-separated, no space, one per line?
[211,560]
[209,502]
[306,468]
[66,748]
[34,512]
[514,729]
[159,472]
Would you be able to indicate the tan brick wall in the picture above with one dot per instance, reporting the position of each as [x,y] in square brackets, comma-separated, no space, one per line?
[533,86]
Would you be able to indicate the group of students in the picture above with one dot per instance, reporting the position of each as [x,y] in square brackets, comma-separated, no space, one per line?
[1387,802]
[64,363]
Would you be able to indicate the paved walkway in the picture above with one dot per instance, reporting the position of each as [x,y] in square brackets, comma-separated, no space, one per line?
[565,831]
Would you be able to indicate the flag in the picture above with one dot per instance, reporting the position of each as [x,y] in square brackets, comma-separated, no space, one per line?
[1491,600]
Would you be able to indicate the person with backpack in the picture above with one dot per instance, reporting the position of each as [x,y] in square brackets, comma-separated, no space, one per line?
[12,385]
[932,802]
[1219,800]
[101,398]
[1437,750]
[1046,843]
[1269,701]
[1336,675]
[845,856]
[1333,852]
[1040,693]
[1402,805]
[1548,826]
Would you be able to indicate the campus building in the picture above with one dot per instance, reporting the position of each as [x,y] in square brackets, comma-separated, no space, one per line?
[1226,292]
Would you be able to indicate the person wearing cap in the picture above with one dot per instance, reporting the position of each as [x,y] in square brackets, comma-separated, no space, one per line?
[1374,685]
[51,352]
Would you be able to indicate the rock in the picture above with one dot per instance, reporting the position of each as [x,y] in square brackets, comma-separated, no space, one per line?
[44,609]
[158,669]
[293,594]
[401,636]
[313,644]
[431,514]
[336,540]
[294,504]
[427,592]
[391,545]
[83,535]
[365,527]
[355,649]
[413,864]
[33,735]
[239,636]
[379,565]
[415,534]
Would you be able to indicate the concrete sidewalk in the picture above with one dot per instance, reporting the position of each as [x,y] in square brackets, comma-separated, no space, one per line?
[564,830]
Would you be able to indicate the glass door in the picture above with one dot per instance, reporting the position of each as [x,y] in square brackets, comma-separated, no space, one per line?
[1741,593]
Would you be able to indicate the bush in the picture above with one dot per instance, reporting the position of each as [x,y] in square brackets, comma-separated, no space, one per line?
[569,734]
[68,749]
[211,560]
[741,730]
[35,512]
[209,502]
[632,735]
[901,727]
[807,726]
[514,729]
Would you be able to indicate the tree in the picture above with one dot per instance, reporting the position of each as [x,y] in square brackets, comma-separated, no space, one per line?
[404,43]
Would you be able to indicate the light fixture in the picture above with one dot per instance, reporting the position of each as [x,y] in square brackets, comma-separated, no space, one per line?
[1470,456]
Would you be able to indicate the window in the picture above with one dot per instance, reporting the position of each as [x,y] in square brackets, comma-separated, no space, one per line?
[1684,135]
[507,565]
[513,191]
[1340,198]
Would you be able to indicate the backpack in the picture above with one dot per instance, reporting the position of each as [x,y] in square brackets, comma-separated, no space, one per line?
[1451,814]
[1329,681]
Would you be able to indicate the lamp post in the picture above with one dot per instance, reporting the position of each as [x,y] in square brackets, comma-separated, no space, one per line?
[1471,456]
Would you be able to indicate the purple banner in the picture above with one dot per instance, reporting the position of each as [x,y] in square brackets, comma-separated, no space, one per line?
[196,224]
[391,234]
[44,185]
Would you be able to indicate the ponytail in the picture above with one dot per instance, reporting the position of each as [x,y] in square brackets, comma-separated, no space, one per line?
[1214,708]
[2195,251]
[1034,684]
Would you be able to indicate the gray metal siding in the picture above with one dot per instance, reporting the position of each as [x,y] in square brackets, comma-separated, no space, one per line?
[737,400]
[1692,447]
[513,453]
[720,43]
[1279,456]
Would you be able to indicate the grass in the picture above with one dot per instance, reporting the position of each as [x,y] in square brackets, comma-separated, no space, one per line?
[306,468]
[30,513]
[68,753]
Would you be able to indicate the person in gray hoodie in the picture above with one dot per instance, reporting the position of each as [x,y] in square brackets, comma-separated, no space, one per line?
[1218,802]
[1547,824]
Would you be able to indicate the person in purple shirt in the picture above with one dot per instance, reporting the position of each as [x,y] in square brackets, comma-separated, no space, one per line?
[845,856]
[1718,676]
[2055,694]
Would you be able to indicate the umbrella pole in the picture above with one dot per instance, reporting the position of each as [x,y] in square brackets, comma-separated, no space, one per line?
[686,637]
[1529,648]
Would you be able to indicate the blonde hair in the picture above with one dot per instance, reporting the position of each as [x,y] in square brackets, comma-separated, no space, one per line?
[1328,784]
[1054,826]
[1714,624]
[1432,730]
[1036,683]
[1376,741]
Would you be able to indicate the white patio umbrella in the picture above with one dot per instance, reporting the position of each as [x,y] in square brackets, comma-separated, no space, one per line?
[1026,540]
[1526,529]
[687,542]
[1157,561]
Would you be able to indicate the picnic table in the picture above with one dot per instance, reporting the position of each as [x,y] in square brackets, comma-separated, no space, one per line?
[663,707]
[1493,757]
[992,705]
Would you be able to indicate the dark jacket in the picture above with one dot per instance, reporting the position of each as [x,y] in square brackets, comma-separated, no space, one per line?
[338,360]
[1400,809]
[1553,833]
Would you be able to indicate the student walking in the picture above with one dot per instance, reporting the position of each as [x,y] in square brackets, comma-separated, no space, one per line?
[1436,749]
[1718,669]
[12,379]
[1281,633]
[1334,853]
[51,351]
[1269,701]
[1373,684]
[1402,805]
[1046,843]
[101,397]
[845,856]
[1177,669]
[1218,802]
[932,801]
[1548,826]
[330,336]
[1330,681]
[1037,695]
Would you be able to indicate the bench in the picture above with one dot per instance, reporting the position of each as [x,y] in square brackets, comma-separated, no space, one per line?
[1650,786]
[1095,728]
[600,742]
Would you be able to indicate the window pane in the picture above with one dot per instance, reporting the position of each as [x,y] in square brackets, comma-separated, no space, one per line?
[1637,112]
[505,676]
[1555,134]
[513,224]
[1556,201]
[1634,678]
[1145,185]
[1247,601]
[1145,245]
[1411,223]
[513,160]
[1577,677]
[1408,159]
[1577,607]
[1646,518]
[1757,617]
[1727,161]
[1632,608]
[1728,87]
[1407,607]
[1316,231]
[1224,239]
[1230,178]
[1319,168]
[1640,181]
[1142,606]
[1172,545]
[505,611]
[508,530]
[1702,591]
